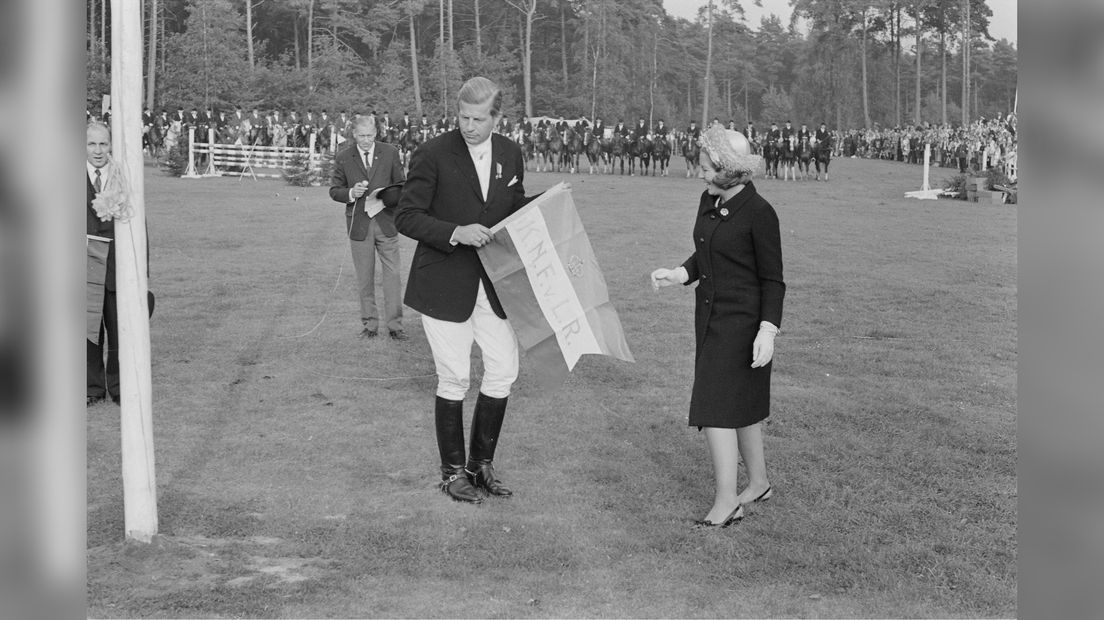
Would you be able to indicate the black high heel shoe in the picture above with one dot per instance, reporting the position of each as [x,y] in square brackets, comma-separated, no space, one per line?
[733,517]
[764,496]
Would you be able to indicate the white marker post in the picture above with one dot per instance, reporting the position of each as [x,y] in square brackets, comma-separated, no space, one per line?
[139,481]
[310,158]
[210,172]
[925,192]
[190,172]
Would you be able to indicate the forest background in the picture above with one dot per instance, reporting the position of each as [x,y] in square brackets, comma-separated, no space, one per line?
[853,63]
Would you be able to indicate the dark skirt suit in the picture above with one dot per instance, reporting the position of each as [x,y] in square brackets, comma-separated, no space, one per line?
[737,264]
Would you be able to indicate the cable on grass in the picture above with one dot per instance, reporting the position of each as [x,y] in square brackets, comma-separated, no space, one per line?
[322,320]
[326,312]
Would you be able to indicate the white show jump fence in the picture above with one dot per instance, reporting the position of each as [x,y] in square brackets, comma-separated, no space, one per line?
[245,159]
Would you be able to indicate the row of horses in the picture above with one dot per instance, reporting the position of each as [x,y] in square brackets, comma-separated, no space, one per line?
[558,150]
[548,149]
[792,157]
[552,149]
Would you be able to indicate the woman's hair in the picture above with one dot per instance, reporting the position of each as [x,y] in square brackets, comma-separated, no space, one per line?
[730,153]
[479,90]
[727,177]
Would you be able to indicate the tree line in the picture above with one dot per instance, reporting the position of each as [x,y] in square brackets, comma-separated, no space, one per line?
[848,63]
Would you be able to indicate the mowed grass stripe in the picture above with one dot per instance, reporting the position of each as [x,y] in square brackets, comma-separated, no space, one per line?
[298,469]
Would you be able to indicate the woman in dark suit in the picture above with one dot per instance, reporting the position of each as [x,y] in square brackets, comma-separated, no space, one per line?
[737,264]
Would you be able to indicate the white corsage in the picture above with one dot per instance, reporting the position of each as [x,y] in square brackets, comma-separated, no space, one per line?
[113,201]
[498,171]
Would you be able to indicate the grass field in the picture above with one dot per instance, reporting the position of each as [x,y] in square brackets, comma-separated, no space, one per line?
[297,465]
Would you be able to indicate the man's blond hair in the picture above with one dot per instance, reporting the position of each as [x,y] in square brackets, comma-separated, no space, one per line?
[479,90]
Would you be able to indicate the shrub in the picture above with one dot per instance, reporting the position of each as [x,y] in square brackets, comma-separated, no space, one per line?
[957,184]
[299,172]
[325,169]
[994,176]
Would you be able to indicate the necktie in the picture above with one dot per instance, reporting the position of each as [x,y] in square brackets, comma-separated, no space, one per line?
[367,161]
[97,185]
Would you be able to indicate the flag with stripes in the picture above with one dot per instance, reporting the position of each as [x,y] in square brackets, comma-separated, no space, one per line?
[546,275]
[96,269]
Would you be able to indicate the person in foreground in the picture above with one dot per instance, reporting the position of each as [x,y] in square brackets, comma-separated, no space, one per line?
[737,264]
[460,184]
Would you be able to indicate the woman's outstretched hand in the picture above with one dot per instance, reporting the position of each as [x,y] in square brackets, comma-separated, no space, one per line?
[666,277]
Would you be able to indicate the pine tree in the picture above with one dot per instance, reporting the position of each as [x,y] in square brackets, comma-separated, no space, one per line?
[209,59]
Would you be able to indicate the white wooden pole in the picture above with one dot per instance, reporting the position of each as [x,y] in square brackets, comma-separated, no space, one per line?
[210,171]
[927,162]
[925,192]
[44,472]
[139,480]
[310,157]
[190,172]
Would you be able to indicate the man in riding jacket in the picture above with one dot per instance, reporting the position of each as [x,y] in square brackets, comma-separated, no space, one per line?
[775,134]
[787,131]
[693,131]
[803,133]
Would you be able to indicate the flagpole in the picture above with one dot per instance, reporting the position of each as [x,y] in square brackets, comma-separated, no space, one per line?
[139,481]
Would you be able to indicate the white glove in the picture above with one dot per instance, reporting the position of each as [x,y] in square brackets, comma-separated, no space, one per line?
[762,350]
[666,277]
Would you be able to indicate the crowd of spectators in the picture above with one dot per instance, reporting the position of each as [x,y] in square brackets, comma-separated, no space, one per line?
[983,144]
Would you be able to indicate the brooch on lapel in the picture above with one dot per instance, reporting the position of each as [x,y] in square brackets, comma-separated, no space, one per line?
[498,171]
[724,211]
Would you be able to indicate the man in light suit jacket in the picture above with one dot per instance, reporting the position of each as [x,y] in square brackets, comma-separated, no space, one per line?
[358,171]
[461,183]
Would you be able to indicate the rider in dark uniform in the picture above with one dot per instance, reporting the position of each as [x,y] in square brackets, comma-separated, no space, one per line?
[803,133]
[599,127]
[821,133]
[693,131]
[752,134]
[775,134]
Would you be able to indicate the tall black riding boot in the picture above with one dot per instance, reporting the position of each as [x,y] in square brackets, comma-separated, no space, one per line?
[486,425]
[455,482]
